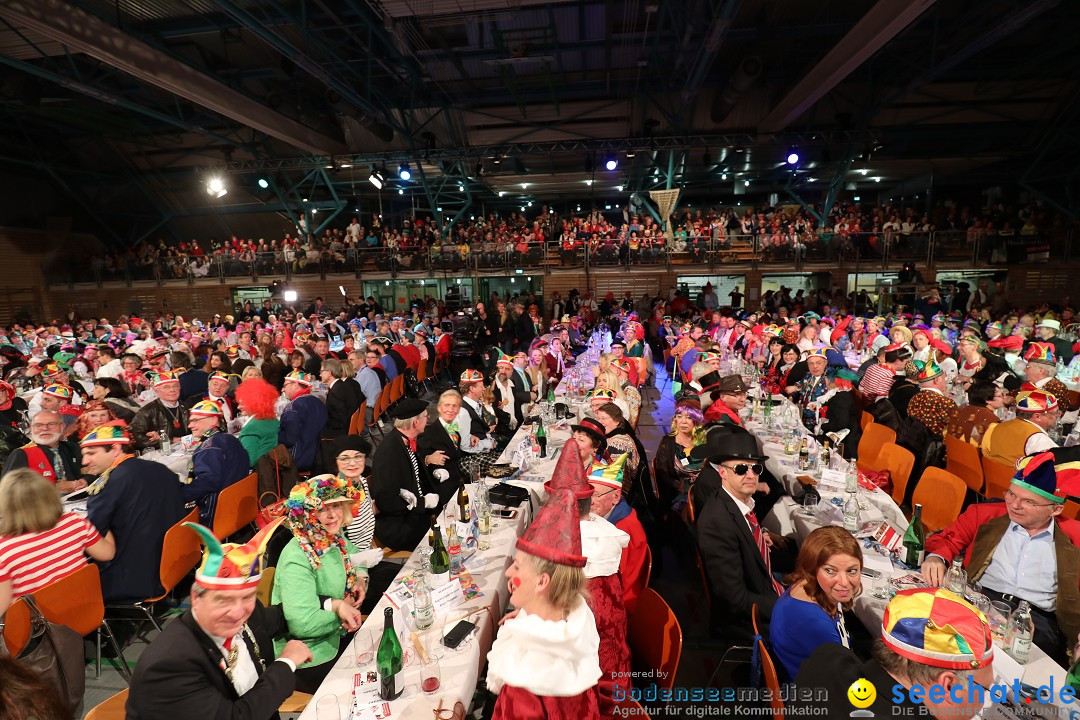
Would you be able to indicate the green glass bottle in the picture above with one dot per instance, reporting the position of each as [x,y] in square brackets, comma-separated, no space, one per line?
[541,439]
[389,660]
[914,539]
[440,560]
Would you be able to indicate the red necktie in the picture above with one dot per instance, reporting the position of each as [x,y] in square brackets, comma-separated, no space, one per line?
[411,443]
[227,644]
[763,548]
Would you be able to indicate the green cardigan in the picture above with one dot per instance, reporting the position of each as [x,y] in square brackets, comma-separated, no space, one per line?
[300,590]
[259,437]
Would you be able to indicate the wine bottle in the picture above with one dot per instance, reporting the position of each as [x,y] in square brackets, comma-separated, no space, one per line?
[826,455]
[440,561]
[541,439]
[804,455]
[914,539]
[388,661]
[463,505]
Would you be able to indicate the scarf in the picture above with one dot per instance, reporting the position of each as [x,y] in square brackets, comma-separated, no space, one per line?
[314,541]
[10,395]
[103,479]
[453,430]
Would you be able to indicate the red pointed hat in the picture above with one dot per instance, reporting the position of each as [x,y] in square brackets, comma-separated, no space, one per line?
[555,534]
[569,473]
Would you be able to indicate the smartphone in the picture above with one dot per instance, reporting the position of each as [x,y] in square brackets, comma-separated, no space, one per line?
[458,633]
[505,513]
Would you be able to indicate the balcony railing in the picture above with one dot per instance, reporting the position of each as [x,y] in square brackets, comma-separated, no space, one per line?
[861,251]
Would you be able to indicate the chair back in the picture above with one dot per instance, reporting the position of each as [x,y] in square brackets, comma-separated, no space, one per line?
[356,422]
[265,590]
[74,601]
[655,637]
[899,462]
[962,459]
[110,709]
[768,669]
[874,437]
[941,495]
[865,419]
[237,506]
[180,552]
[16,629]
[998,478]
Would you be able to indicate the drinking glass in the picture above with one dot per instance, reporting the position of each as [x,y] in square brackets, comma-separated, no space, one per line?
[328,708]
[430,675]
[809,505]
[363,648]
[883,589]
[999,621]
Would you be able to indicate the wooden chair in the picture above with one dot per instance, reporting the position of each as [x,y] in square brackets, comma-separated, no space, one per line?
[295,703]
[998,478]
[655,637]
[356,422]
[15,627]
[941,495]
[768,669]
[75,601]
[111,709]
[899,462]
[265,589]
[963,461]
[180,553]
[874,437]
[237,506]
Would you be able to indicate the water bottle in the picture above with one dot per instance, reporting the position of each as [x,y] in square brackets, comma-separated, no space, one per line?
[851,478]
[1021,631]
[792,445]
[851,513]
[423,609]
[166,441]
[956,577]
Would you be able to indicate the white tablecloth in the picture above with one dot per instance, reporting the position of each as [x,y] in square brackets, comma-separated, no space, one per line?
[460,668]
[177,461]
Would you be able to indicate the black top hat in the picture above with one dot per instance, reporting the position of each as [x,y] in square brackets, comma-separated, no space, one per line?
[727,442]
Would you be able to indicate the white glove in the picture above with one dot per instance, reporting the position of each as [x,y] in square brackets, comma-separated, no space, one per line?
[408,497]
[441,475]
[431,501]
[368,558]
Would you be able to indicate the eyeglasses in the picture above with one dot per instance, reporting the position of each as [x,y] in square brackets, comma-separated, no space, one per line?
[741,469]
[45,426]
[606,492]
[458,713]
[1010,496]
[351,458]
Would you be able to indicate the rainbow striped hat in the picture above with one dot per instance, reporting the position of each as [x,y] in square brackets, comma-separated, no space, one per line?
[608,474]
[601,393]
[927,370]
[505,360]
[472,376]
[114,432]
[817,353]
[301,377]
[938,628]
[207,408]
[1038,474]
[231,566]
[219,375]
[53,369]
[164,378]
[57,390]
[1040,352]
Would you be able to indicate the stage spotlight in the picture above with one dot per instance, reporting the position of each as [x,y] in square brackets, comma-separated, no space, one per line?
[404,172]
[376,178]
[289,296]
[264,183]
[611,164]
[216,187]
[792,158]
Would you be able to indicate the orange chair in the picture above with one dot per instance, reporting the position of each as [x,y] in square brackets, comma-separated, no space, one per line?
[899,462]
[941,495]
[237,506]
[180,553]
[15,627]
[356,422]
[110,709]
[768,668]
[998,478]
[75,601]
[874,437]
[655,638]
[865,419]
[646,572]
[963,461]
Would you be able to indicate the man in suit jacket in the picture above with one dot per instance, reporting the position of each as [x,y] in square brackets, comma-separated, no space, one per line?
[401,486]
[302,420]
[524,330]
[216,662]
[342,399]
[732,543]
[442,435]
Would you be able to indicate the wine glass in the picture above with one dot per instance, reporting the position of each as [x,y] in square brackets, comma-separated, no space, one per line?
[328,708]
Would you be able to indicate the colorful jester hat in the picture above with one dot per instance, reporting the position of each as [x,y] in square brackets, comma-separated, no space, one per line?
[609,474]
[231,566]
[938,628]
[1043,475]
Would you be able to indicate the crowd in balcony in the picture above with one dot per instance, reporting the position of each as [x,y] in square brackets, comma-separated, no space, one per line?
[621,236]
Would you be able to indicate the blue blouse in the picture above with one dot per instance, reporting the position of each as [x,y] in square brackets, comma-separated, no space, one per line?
[797,629]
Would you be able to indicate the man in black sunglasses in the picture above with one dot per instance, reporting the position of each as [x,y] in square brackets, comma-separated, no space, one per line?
[736,551]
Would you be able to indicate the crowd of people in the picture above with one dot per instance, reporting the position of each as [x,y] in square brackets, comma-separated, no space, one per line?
[83,401]
[625,234]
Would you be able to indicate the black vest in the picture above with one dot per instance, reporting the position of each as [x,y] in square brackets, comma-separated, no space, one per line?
[479,428]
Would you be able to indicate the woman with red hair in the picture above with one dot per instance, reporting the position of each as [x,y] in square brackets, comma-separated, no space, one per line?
[255,398]
[95,414]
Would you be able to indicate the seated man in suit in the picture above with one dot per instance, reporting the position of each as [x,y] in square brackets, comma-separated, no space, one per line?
[217,659]
[217,390]
[1022,549]
[217,461]
[302,420]
[734,547]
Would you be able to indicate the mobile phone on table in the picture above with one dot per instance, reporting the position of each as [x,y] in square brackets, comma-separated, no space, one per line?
[458,633]
[505,513]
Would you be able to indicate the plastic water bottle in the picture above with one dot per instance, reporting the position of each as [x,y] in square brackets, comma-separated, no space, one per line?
[851,478]
[956,577]
[1021,632]
[851,513]
[166,441]
[423,609]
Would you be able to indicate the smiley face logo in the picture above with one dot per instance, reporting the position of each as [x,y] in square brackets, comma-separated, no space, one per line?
[862,693]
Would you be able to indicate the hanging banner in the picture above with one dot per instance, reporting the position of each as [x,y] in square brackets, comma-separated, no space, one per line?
[665,201]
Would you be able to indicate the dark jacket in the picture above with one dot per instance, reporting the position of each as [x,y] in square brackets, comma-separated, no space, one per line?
[436,438]
[834,668]
[193,383]
[342,401]
[218,463]
[180,676]
[396,526]
[734,568]
[524,332]
[153,417]
[69,453]
[301,427]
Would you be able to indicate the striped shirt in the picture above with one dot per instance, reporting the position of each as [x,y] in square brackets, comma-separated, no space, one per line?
[33,560]
[877,381]
[362,528]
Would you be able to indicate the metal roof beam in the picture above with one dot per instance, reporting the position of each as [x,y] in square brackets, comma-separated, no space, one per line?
[881,24]
[82,32]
